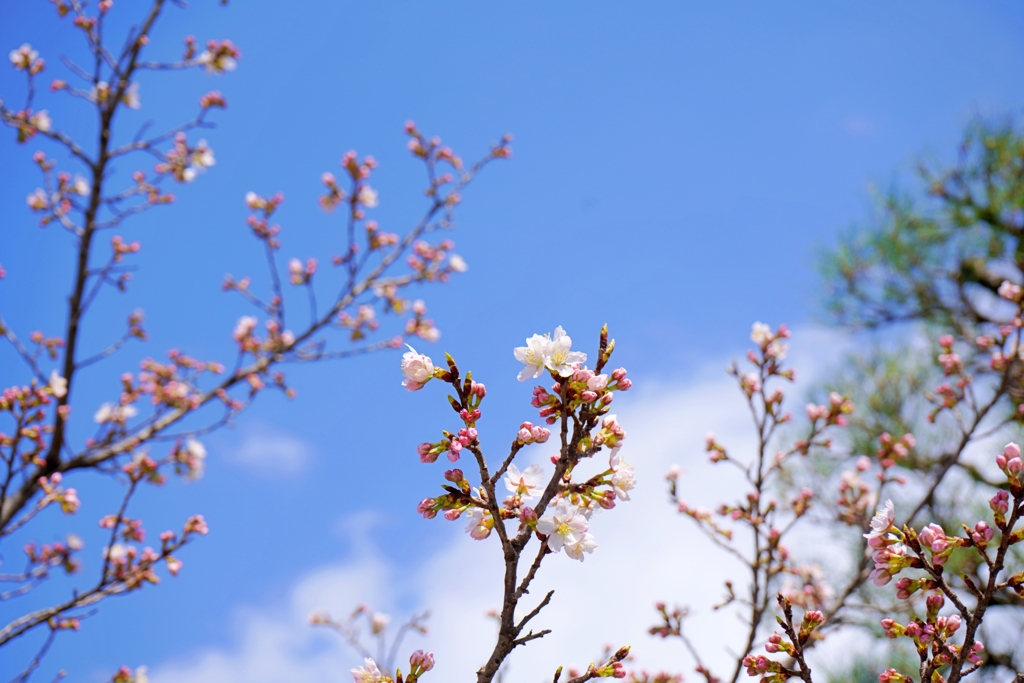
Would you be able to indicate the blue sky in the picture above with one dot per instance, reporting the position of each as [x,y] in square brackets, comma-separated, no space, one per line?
[677,169]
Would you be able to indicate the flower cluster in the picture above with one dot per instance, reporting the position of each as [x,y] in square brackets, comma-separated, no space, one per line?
[931,636]
[26,59]
[420,662]
[566,528]
[184,162]
[219,56]
[580,392]
[39,452]
[546,353]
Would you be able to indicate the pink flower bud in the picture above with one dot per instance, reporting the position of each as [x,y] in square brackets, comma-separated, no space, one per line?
[426,508]
[424,661]
[890,676]
[582,375]
[1000,502]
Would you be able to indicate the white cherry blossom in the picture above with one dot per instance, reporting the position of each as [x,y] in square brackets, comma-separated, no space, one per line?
[80,186]
[22,57]
[37,200]
[98,93]
[559,358]
[58,385]
[457,263]
[197,451]
[216,64]
[131,96]
[760,333]
[532,356]
[246,324]
[367,196]
[110,412]
[776,350]
[528,483]
[882,521]
[623,478]
[116,552]
[41,120]
[585,544]
[367,673]
[564,526]
[202,156]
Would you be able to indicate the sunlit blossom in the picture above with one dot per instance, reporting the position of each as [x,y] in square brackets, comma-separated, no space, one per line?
[367,673]
[559,357]
[564,526]
[532,356]
[417,368]
[623,478]
[526,484]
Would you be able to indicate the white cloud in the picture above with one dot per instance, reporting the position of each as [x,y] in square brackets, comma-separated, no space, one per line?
[647,553]
[268,452]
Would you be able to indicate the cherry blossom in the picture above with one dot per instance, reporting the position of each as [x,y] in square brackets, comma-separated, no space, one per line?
[367,196]
[533,356]
[480,524]
[58,385]
[417,368]
[760,333]
[457,263]
[564,526]
[196,458]
[110,412]
[23,57]
[623,479]
[367,673]
[219,56]
[559,358]
[41,120]
[585,544]
[526,484]
[131,96]
[37,200]
[881,524]
[170,397]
